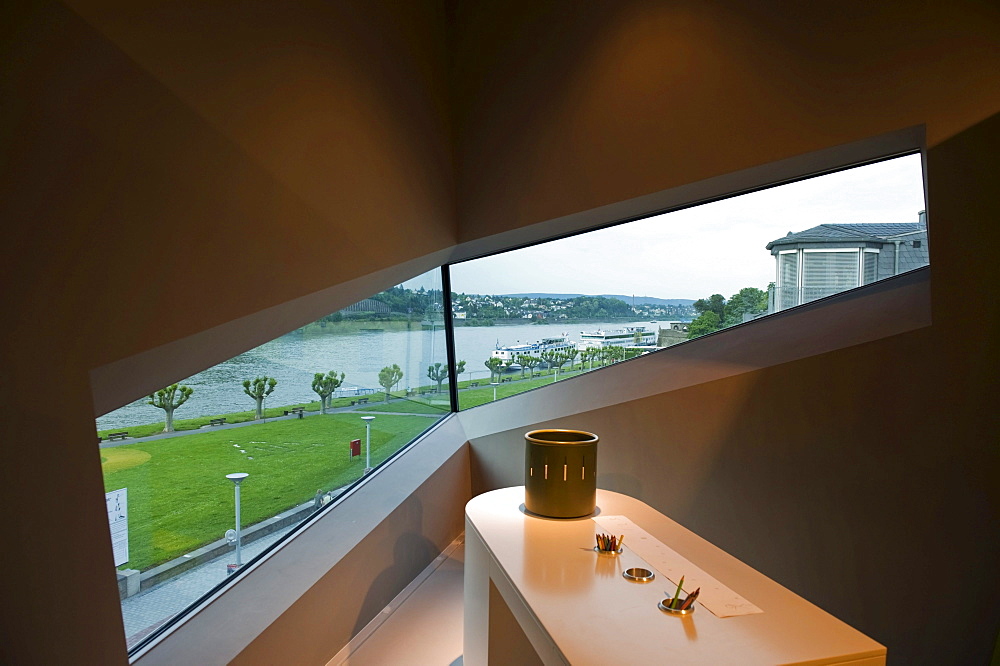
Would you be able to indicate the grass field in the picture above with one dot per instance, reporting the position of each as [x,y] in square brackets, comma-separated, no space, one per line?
[179,498]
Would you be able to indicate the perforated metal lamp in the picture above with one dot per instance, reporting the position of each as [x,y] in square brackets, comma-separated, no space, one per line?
[237,478]
[560,473]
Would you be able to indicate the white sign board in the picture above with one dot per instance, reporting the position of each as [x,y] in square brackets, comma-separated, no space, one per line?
[117,501]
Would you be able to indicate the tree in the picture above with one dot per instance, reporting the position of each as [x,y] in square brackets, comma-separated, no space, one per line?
[714,303]
[169,399]
[324,386]
[530,362]
[616,354]
[437,373]
[493,363]
[749,301]
[388,377]
[550,357]
[706,322]
[521,358]
[571,356]
[258,389]
[559,359]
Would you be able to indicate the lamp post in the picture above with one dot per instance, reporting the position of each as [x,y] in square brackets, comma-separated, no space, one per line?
[236,479]
[368,442]
[495,385]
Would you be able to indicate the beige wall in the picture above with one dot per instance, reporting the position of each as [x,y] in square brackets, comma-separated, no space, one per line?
[560,110]
[172,168]
[169,168]
[863,479]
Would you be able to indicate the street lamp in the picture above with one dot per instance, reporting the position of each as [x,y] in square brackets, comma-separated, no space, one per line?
[495,385]
[368,442]
[236,479]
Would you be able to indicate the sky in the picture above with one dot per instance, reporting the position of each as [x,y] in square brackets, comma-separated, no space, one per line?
[717,247]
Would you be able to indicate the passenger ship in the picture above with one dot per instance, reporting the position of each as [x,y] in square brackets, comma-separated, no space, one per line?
[622,337]
[509,353]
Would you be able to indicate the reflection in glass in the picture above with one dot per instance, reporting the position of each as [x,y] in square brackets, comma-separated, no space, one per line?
[533,316]
[314,386]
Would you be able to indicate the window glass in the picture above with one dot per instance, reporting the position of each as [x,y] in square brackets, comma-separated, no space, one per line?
[828,272]
[303,417]
[533,316]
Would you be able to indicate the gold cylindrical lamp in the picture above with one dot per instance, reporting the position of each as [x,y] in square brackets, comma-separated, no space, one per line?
[560,473]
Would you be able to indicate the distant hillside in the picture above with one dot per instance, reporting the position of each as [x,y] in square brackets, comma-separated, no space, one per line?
[639,300]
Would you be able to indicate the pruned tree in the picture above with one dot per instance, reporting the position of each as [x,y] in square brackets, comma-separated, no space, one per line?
[437,373]
[324,386]
[388,377]
[521,358]
[571,356]
[559,359]
[531,362]
[493,363]
[549,357]
[168,399]
[258,389]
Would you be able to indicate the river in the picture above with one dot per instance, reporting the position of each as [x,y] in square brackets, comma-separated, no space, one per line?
[293,360]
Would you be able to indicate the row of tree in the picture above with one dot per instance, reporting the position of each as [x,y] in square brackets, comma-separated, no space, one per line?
[715,312]
[170,398]
[555,359]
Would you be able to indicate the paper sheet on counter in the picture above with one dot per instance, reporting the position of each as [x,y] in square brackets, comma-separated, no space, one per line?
[714,596]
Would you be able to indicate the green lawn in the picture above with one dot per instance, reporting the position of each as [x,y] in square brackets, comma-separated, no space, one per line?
[437,404]
[179,498]
[474,397]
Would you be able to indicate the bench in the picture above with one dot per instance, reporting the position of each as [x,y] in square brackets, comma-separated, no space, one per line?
[362,401]
[473,384]
[293,411]
[215,422]
[112,436]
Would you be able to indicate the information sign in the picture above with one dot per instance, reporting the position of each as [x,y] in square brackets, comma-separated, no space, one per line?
[117,501]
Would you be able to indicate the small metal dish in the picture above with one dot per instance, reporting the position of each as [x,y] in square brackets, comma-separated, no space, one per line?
[639,575]
[608,552]
[665,607]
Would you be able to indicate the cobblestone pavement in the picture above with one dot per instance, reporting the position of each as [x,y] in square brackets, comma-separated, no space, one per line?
[146,611]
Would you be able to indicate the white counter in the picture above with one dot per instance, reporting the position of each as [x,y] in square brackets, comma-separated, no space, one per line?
[536,591]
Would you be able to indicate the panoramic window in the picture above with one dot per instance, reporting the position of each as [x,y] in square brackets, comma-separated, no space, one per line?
[272,436]
[545,313]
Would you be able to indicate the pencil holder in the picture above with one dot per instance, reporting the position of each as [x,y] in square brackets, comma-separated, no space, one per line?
[665,607]
[560,473]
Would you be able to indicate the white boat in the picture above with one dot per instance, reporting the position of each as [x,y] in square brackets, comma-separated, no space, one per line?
[630,336]
[509,353]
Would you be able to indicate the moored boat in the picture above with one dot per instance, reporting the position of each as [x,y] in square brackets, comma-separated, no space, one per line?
[630,336]
[509,353]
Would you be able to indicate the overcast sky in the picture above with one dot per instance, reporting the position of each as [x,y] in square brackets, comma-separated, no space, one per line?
[714,248]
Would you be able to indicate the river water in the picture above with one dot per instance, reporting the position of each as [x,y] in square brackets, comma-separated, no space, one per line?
[293,360]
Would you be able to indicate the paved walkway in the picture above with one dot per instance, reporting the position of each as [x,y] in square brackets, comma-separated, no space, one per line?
[226,426]
[146,611]
[143,613]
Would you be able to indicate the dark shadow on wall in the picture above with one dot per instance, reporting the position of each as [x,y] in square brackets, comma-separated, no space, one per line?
[410,554]
[626,484]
